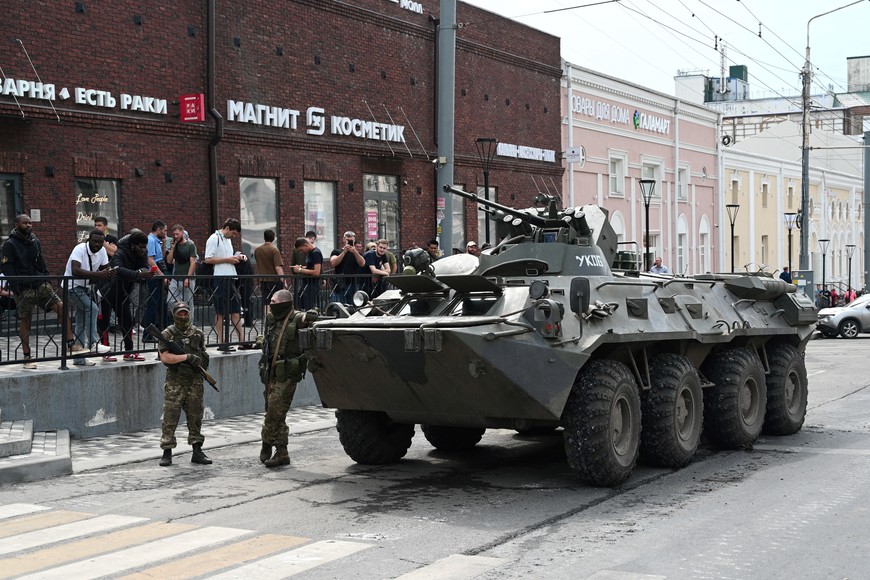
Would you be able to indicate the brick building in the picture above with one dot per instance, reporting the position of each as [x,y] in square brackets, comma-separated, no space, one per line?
[327,111]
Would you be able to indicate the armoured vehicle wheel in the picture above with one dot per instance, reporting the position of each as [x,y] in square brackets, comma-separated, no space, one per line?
[452,438]
[371,438]
[602,423]
[672,412]
[734,413]
[849,328]
[786,391]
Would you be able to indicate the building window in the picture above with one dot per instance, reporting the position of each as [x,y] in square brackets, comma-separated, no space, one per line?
[703,245]
[459,221]
[682,246]
[617,176]
[10,203]
[381,208]
[482,218]
[649,171]
[790,197]
[96,197]
[765,245]
[258,210]
[320,213]
[682,184]
[765,193]
[735,191]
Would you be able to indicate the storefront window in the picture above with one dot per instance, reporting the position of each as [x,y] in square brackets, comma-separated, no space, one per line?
[320,213]
[459,221]
[259,211]
[10,203]
[381,209]
[483,218]
[97,197]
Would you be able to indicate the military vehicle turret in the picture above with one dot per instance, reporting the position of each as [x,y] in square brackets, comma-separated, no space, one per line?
[539,333]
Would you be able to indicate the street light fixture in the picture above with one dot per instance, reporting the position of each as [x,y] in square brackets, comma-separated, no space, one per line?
[850,249]
[807,75]
[823,248]
[790,221]
[486,148]
[732,209]
[647,187]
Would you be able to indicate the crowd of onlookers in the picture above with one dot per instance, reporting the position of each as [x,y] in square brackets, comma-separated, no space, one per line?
[130,283]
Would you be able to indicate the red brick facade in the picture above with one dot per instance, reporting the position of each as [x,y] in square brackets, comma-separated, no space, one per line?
[344,57]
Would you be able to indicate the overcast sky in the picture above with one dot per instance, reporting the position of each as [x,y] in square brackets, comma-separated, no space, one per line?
[647,41]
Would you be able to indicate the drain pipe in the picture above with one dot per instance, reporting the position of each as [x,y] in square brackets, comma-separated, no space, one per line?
[218,119]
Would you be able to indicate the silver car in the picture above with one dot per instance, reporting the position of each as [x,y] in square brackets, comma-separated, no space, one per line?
[847,321]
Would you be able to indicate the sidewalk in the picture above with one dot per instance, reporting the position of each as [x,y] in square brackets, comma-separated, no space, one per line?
[111,450]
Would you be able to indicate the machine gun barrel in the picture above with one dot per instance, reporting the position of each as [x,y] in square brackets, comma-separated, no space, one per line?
[535,220]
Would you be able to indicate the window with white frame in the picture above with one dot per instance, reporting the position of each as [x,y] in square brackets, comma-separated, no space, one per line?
[765,193]
[735,191]
[765,250]
[704,246]
[790,197]
[617,175]
[682,245]
[652,171]
[683,184]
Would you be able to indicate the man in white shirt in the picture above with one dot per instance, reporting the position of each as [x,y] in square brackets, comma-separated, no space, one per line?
[658,268]
[89,264]
[219,252]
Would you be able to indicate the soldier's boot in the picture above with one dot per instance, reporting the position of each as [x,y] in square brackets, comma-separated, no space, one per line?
[280,458]
[265,453]
[198,456]
[166,460]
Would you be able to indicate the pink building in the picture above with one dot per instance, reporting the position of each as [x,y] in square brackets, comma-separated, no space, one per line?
[616,133]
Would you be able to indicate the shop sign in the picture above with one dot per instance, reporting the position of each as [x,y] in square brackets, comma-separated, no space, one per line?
[372,224]
[316,121]
[525,152]
[409,5]
[619,114]
[192,108]
[24,89]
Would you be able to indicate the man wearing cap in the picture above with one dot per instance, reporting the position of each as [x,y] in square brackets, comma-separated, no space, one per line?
[183,389]
[471,248]
[282,366]
[349,263]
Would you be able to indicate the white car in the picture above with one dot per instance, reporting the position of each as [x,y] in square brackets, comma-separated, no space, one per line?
[847,321]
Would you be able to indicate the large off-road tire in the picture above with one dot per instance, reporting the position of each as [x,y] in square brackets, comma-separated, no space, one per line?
[786,390]
[734,408]
[371,438]
[602,423]
[672,412]
[849,328]
[452,438]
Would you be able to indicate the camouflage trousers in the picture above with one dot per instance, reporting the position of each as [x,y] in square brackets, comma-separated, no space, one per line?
[280,396]
[182,395]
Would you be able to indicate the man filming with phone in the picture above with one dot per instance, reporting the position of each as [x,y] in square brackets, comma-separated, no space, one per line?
[350,265]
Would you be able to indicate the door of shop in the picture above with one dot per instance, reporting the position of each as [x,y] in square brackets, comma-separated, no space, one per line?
[10,202]
[381,209]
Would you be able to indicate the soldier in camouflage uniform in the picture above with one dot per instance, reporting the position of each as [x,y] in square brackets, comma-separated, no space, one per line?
[183,388]
[281,367]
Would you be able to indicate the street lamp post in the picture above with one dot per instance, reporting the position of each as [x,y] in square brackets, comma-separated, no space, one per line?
[823,248]
[790,221]
[732,209]
[647,187]
[486,148]
[806,76]
[850,249]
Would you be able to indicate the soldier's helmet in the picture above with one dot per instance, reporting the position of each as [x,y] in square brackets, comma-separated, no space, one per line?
[179,306]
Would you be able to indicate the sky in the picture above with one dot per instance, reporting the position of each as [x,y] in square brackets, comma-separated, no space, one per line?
[647,41]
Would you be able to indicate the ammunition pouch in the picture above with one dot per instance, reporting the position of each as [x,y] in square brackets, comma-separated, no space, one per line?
[292,369]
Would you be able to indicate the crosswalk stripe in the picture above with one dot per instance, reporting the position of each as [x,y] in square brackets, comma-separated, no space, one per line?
[19,509]
[294,561]
[102,544]
[220,558]
[455,567]
[38,538]
[143,555]
[39,521]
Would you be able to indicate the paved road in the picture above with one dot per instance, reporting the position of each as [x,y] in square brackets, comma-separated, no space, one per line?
[791,507]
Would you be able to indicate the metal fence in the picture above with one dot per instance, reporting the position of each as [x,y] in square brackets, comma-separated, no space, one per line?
[151,301]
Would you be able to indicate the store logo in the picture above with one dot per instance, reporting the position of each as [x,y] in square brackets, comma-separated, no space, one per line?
[636,119]
[409,5]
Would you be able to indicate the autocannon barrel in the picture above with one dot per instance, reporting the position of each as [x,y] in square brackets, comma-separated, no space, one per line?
[535,220]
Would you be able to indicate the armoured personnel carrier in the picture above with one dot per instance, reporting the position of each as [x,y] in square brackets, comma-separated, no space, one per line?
[540,333]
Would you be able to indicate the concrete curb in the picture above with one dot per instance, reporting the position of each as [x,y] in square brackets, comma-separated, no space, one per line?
[16,438]
[50,457]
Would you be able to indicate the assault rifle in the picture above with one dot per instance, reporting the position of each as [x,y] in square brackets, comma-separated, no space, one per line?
[176,348]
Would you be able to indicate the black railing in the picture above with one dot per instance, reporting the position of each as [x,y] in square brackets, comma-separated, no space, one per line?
[122,317]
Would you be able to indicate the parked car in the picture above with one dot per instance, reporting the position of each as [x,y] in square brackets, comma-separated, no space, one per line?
[847,321]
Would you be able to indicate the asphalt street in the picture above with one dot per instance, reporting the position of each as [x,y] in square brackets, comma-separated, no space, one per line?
[790,507]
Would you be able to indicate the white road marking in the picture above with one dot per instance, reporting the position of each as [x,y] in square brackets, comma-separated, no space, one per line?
[149,553]
[295,561]
[63,532]
[455,567]
[19,509]
[814,373]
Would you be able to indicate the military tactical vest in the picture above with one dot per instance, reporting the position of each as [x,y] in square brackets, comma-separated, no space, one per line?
[193,343]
